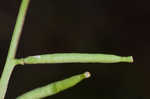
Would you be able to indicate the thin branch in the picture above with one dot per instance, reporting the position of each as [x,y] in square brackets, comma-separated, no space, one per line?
[10,62]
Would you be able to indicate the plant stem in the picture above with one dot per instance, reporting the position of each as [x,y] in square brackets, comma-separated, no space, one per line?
[11,62]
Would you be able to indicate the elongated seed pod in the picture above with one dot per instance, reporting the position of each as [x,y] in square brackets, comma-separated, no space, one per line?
[76,58]
[55,87]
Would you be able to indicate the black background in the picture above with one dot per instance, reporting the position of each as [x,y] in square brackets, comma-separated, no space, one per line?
[90,26]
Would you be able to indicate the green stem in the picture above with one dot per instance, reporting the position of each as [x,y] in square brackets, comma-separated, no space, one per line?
[11,62]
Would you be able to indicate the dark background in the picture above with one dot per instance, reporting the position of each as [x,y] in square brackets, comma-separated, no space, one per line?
[90,26]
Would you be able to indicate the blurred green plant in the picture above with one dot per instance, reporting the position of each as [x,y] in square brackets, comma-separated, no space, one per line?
[55,87]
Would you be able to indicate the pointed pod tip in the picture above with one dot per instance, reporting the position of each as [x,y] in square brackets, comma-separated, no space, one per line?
[87,74]
[128,59]
[132,60]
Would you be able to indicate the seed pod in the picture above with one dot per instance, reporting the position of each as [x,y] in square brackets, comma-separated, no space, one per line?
[76,58]
[55,87]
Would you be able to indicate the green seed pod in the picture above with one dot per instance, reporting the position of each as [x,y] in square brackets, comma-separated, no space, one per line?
[76,58]
[55,87]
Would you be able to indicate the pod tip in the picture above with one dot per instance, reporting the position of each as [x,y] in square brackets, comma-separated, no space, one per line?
[127,59]
[131,59]
[87,74]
